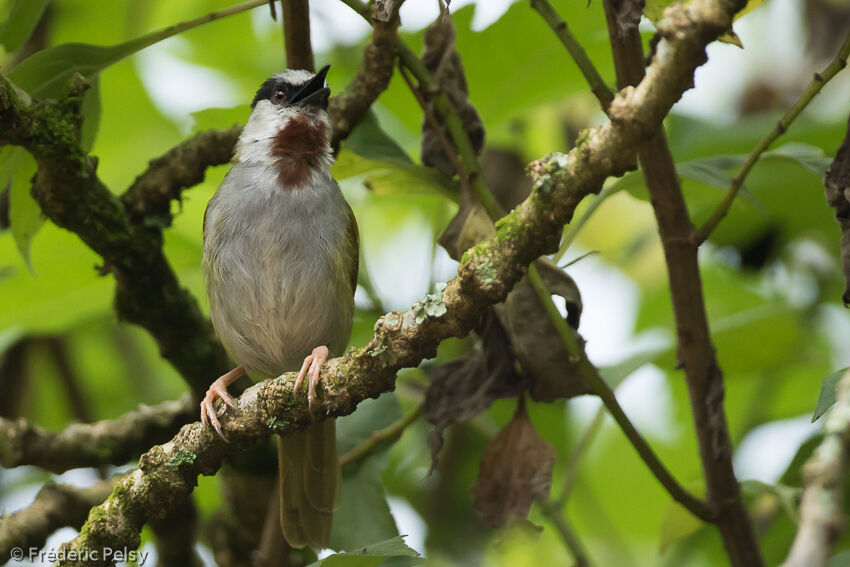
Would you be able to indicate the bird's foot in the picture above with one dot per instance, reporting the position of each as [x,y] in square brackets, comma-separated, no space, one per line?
[312,367]
[218,389]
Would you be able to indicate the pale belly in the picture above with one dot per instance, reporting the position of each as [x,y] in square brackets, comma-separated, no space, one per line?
[273,299]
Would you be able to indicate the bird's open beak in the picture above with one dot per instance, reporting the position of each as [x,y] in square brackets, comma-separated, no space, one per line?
[314,93]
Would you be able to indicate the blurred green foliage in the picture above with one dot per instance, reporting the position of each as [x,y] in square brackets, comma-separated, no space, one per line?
[771,272]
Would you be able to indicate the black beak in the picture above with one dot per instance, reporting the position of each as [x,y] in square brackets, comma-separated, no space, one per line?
[314,93]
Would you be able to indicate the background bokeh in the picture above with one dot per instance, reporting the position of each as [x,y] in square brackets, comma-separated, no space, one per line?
[771,272]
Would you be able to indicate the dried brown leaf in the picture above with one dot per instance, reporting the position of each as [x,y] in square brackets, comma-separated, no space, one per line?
[444,63]
[837,183]
[551,371]
[516,468]
[462,389]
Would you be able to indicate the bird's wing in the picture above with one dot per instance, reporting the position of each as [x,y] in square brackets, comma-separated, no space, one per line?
[353,247]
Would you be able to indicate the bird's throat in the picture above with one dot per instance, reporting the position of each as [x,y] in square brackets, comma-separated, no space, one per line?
[298,149]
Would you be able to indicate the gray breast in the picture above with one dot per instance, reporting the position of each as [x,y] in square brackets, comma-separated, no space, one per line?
[275,269]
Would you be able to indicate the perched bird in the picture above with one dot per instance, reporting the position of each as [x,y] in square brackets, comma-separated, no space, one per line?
[281,259]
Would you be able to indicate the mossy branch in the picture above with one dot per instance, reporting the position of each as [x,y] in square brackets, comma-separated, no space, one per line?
[107,442]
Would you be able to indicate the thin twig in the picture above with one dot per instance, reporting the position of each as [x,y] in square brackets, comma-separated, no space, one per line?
[392,431]
[578,454]
[818,82]
[589,372]
[576,51]
[555,514]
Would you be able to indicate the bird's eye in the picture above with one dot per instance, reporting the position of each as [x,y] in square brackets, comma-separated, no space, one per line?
[279,95]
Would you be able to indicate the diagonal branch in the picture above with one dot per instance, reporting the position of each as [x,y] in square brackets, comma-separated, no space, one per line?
[107,442]
[576,51]
[185,165]
[696,350]
[818,82]
[486,273]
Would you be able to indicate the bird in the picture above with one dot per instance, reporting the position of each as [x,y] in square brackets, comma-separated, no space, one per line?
[280,255]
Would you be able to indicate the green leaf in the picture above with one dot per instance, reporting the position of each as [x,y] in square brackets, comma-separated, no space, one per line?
[368,556]
[828,393]
[23,17]
[806,155]
[711,170]
[17,167]
[363,513]
[9,336]
[394,177]
[678,523]
[215,118]
[839,560]
[370,141]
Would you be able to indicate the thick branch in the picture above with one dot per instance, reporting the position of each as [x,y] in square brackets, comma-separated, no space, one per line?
[486,274]
[696,351]
[822,506]
[107,442]
[185,165]
[56,506]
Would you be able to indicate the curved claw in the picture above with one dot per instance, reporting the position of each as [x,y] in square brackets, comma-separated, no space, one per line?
[218,389]
[312,368]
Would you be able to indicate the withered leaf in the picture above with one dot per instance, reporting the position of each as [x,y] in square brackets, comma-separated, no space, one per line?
[551,371]
[462,389]
[516,467]
[444,63]
[837,183]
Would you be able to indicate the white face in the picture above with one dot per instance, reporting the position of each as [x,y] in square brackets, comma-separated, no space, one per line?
[268,118]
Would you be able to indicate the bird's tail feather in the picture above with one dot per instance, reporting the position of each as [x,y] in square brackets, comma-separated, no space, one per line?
[309,475]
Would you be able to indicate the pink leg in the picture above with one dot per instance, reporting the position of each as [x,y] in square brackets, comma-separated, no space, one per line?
[218,389]
[313,367]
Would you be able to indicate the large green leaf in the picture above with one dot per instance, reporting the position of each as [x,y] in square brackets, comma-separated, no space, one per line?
[370,141]
[23,17]
[369,555]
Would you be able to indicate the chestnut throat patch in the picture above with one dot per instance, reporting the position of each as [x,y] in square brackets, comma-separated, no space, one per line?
[297,149]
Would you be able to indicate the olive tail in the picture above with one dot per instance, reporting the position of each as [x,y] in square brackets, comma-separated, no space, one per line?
[309,475]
